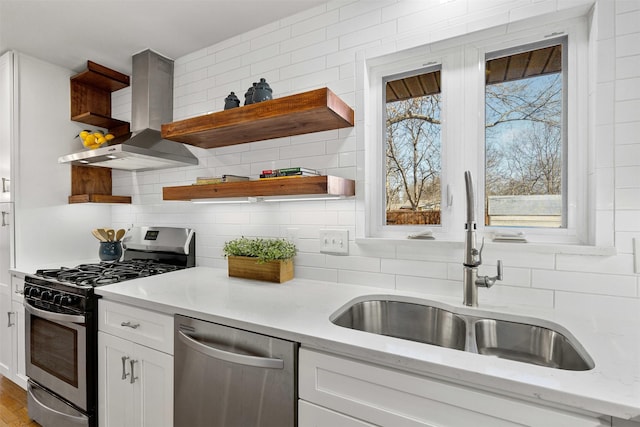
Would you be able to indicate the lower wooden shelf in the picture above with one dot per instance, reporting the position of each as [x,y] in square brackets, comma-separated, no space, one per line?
[98,198]
[292,187]
[93,185]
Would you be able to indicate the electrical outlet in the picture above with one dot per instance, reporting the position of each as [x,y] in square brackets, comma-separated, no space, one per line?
[335,242]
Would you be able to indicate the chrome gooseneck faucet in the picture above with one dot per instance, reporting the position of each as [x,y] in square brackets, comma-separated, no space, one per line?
[473,256]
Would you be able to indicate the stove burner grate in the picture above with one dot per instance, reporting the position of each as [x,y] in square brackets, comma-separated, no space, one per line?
[106,273]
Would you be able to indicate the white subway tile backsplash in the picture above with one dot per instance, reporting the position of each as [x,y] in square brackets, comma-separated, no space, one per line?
[572,281]
[627,89]
[316,22]
[628,45]
[628,176]
[437,270]
[627,133]
[627,67]
[628,198]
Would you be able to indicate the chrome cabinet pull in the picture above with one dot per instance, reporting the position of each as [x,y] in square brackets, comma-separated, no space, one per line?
[6,185]
[130,325]
[9,322]
[133,377]
[5,215]
[124,373]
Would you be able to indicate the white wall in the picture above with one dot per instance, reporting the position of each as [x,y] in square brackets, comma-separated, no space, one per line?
[318,48]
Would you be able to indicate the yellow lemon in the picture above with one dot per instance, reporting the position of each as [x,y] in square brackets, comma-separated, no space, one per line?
[97,134]
[89,140]
[83,134]
[109,137]
[101,140]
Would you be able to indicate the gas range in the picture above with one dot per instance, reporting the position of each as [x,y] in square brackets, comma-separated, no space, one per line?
[61,318]
[147,251]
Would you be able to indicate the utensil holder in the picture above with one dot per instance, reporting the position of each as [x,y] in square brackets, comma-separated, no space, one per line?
[110,251]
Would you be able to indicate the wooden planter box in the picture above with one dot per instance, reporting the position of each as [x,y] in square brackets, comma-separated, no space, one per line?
[248,268]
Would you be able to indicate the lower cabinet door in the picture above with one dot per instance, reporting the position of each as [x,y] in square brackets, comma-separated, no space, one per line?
[135,384]
[310,415]
[115,393]
[152,371]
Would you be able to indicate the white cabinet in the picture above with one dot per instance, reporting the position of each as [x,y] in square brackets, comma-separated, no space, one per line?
[12,333]
[6,117]
[135,381]
[388,397]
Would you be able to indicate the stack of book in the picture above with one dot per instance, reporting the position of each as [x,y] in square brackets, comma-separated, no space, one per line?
[288,172]
[203,180]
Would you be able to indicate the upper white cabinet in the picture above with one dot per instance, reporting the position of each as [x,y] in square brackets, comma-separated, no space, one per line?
[6,117]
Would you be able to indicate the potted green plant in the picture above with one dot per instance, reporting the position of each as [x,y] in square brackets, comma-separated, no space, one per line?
[260,259]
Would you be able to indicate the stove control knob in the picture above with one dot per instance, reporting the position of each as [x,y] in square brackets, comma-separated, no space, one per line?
[66,300]
[33,292]
[46,295]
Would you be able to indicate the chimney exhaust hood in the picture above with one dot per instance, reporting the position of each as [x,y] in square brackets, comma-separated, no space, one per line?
[152,104]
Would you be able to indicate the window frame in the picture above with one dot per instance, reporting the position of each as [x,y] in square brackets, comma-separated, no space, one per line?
[463,59]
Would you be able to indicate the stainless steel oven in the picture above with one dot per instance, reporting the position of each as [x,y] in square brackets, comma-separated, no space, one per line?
[57,345]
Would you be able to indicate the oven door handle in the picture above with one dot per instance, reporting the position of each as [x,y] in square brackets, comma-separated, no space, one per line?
[60,317]
[227,356]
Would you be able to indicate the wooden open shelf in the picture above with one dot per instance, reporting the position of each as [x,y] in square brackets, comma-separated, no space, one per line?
[314,111]
[93,185]
[91,97]
[289,186]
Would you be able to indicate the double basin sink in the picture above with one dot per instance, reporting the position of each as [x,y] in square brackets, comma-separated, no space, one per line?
[543,344]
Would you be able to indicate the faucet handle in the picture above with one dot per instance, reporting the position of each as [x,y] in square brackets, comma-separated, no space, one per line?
[486,281]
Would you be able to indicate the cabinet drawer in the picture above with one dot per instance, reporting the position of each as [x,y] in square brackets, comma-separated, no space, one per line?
[148,328]
[393,398]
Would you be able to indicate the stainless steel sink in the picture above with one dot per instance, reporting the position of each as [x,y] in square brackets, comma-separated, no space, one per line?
[531,344]
[415,322]
[539,344]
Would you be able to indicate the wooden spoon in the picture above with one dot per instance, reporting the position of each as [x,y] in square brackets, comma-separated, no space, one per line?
[110,234]
[120,234]
[96,233]
[103,234]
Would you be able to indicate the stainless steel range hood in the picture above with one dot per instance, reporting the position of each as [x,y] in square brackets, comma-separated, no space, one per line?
[152,105]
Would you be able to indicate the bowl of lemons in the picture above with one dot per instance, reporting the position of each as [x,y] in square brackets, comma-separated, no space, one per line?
[93,140]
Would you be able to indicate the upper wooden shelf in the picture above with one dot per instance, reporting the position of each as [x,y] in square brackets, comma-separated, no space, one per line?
[314,111]
[101,77]
[91,97]
[289,186]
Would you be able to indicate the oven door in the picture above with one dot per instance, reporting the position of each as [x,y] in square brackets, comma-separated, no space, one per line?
[56,348]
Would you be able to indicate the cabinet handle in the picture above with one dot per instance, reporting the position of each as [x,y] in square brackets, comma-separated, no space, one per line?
[124,374]
[130,325]
[5,215]
[133,377]
[6,185]
[9,322]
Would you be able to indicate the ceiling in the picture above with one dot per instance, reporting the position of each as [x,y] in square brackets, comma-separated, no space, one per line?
[109,32]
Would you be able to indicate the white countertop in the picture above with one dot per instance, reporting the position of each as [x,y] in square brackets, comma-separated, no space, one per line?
[299,310]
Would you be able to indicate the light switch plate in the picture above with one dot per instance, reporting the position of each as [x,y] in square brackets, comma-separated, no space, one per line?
[335,242]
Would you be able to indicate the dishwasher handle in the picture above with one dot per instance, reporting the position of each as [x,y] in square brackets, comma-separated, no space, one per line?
[227,356]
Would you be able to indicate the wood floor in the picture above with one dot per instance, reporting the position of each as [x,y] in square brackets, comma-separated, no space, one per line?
[13,405]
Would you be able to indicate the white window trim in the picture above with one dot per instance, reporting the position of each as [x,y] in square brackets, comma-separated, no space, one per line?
[456,139]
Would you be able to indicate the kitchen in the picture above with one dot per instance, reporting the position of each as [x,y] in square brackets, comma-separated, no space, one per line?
[329,45]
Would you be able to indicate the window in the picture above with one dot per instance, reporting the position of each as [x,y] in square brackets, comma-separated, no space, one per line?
[511,109]
[413,149]
[524,139]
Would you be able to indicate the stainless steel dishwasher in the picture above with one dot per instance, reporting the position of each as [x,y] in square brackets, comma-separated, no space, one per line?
[227,377]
